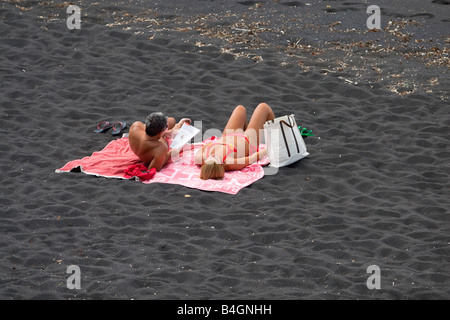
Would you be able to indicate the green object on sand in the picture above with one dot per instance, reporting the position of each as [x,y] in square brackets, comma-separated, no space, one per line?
[305,132]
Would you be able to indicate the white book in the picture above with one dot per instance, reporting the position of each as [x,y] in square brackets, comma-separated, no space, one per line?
[185,134]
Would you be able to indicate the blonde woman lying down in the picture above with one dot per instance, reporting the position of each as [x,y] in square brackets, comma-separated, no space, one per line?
[238,146]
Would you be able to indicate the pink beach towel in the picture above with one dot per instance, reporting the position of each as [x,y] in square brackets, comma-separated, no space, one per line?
[117,160]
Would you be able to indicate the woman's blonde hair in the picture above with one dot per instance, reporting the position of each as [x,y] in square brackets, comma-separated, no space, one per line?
[212,170]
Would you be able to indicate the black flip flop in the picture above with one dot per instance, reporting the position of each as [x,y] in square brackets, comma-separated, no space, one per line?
[118,127]
[103,126]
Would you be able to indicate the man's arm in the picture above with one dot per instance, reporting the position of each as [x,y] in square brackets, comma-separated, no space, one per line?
[158,162]
[160,157]
[173,131]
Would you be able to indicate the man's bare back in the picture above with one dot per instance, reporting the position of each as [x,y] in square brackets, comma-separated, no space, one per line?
[151,150]
[148,141]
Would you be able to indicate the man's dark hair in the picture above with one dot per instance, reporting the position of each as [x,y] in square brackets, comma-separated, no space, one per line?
[155,123]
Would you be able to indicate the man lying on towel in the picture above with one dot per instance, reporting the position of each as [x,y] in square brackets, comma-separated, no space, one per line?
[149,141]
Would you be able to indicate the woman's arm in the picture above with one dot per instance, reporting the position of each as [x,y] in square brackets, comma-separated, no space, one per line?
[198,159]
[240,163]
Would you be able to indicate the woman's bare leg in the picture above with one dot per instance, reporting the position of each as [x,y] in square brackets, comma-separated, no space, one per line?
[262,113]
[237,121]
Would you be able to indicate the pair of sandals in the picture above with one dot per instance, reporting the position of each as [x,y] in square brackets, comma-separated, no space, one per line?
[118,127]
[305,132]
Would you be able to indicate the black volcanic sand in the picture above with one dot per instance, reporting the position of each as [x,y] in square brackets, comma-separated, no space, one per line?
[374,190]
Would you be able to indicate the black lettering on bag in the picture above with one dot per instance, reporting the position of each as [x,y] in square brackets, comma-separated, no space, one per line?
[293,133]
[284,137]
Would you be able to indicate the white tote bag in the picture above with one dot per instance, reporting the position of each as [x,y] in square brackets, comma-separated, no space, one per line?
[284,143]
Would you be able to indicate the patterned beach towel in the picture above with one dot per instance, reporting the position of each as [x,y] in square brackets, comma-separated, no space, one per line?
[117,160]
